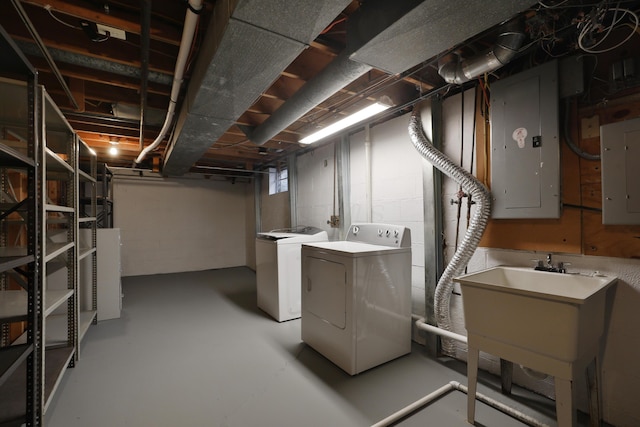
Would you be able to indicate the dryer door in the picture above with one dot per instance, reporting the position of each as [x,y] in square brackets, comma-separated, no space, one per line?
[324,290]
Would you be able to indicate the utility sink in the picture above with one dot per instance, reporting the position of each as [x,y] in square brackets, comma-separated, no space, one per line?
[550,322]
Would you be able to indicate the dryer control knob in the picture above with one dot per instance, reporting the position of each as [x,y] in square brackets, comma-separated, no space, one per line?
[388,233]
[380,232]
[395,233]
[356,230]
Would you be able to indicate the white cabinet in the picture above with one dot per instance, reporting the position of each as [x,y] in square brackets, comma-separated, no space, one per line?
[109,273]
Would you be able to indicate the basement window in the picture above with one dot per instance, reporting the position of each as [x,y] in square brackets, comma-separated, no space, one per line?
[278,179]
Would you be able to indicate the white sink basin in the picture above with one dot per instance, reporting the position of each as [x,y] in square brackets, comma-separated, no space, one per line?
[552,314]
[550,322]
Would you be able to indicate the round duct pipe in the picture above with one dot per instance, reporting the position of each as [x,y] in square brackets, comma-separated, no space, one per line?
[476,227]
[501,53]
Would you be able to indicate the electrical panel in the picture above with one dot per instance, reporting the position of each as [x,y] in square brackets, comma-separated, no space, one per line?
[620,154]
[525,151]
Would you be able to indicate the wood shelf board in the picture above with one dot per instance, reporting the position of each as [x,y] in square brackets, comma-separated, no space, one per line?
[55,163]
[56,362]
[10,157]
[13,405]
[86,319]
[9,262]
[54,298]
[49,207]
[85,177]
[11,358]
[13,306]
[85,252]
[55,249]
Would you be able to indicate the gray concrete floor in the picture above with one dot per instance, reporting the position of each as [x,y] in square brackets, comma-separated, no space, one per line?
[193,349]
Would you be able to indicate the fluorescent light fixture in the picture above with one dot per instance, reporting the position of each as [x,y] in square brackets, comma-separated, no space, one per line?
[113,150]
[354,118]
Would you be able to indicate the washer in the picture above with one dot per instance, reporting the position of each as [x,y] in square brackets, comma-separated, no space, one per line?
[356,296]
[278,269]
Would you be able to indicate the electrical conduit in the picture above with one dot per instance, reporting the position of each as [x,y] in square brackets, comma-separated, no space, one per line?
[188,32]
[476,227]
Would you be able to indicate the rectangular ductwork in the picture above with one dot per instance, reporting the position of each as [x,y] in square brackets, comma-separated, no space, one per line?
[432,27]
[249,46]
[245,50]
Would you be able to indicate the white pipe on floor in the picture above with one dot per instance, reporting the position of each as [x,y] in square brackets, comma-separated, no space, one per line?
[414,406]
[421,324]
[455,385]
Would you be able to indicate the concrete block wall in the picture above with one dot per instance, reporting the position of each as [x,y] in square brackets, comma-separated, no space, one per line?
[177,225]
[316,199]
[396,189]
[397,198]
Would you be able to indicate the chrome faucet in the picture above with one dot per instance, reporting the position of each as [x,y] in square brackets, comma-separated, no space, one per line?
[559,268]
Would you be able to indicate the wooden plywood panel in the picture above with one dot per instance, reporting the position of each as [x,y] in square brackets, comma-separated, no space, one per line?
[554,235]
[621,241]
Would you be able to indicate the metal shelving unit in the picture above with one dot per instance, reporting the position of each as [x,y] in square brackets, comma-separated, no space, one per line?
[59,320]
[21,302]
[87,238]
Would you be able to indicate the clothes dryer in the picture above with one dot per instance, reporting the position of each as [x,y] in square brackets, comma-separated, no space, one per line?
[356,296]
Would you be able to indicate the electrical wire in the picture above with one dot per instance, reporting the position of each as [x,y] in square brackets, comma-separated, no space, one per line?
[48,9]
[590,27]
[552,6]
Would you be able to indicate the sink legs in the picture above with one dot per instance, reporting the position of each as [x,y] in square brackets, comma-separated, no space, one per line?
[565,412]
[472,374]
[506,376]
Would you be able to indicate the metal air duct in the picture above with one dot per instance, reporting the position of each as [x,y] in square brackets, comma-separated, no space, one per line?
[504,51]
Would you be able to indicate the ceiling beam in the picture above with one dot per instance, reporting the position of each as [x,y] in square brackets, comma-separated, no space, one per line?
[116,18]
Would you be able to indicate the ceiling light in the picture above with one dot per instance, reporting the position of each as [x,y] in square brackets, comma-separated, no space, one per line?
[113,150]
[354,118]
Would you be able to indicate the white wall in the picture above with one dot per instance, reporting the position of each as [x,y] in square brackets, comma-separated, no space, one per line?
[315,196]
[175,225]
[396,184]
[275,210]
[396,189]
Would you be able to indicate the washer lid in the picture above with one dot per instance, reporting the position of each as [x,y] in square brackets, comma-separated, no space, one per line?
[299,234]
[354,249]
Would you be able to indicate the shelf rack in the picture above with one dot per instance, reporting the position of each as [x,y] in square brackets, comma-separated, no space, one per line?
[48,279]
[87,238]
[58,235]
[21,301]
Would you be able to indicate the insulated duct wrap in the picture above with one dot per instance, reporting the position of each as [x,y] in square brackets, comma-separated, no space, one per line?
[474,232]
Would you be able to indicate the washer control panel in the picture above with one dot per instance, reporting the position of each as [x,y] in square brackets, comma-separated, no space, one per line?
[397,236]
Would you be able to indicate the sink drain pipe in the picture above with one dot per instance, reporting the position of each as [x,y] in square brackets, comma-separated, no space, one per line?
[474,232]
[423,325]
[449,387]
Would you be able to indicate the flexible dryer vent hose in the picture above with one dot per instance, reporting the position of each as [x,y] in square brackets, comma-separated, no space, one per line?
[474,232]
